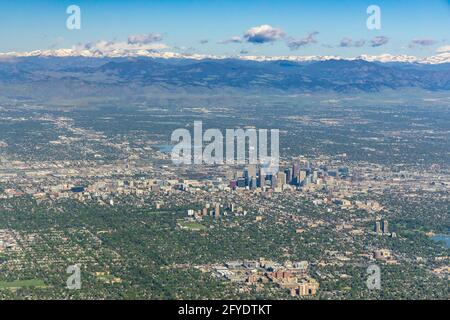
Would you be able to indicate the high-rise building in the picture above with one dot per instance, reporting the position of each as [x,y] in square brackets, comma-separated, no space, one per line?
[385,226]
[217,210]
[295,172]
[262,179]
[274,181]
[314,177]
[241,183]
[251,171]
[288,173]
[281,178]
[253,184]
[377,227]
[302,175]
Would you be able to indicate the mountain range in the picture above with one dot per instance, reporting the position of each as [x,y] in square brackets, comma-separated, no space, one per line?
[113,75]
[442,57]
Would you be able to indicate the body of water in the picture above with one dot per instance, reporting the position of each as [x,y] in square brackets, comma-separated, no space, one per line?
[442,238]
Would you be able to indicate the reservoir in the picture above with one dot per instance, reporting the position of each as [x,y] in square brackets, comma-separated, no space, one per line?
[442,238]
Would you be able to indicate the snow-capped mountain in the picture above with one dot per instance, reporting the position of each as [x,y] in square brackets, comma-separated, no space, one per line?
[437,59]
[123,52]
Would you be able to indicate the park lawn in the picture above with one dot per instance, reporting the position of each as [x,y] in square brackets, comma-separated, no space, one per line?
[17,284]
[192,225]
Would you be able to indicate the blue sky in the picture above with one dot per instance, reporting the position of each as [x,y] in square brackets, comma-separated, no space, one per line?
[334,27]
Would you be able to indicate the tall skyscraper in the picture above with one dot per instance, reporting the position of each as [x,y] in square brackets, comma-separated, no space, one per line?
[385,226]
[217,210]
[377,227]
[253,184]
[241,182]
[302,176]
[262,179]
[274,181]
[281,178]
[314,177]
[251,171]
[295,172]
[288,173]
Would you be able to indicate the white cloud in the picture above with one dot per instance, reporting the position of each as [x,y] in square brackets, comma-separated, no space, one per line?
[295,44]
[262,34]
[349,42]
[145,38]
[379,41]
[235,39]
[422,42]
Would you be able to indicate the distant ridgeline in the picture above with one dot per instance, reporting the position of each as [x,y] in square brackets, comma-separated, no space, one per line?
[63,76]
